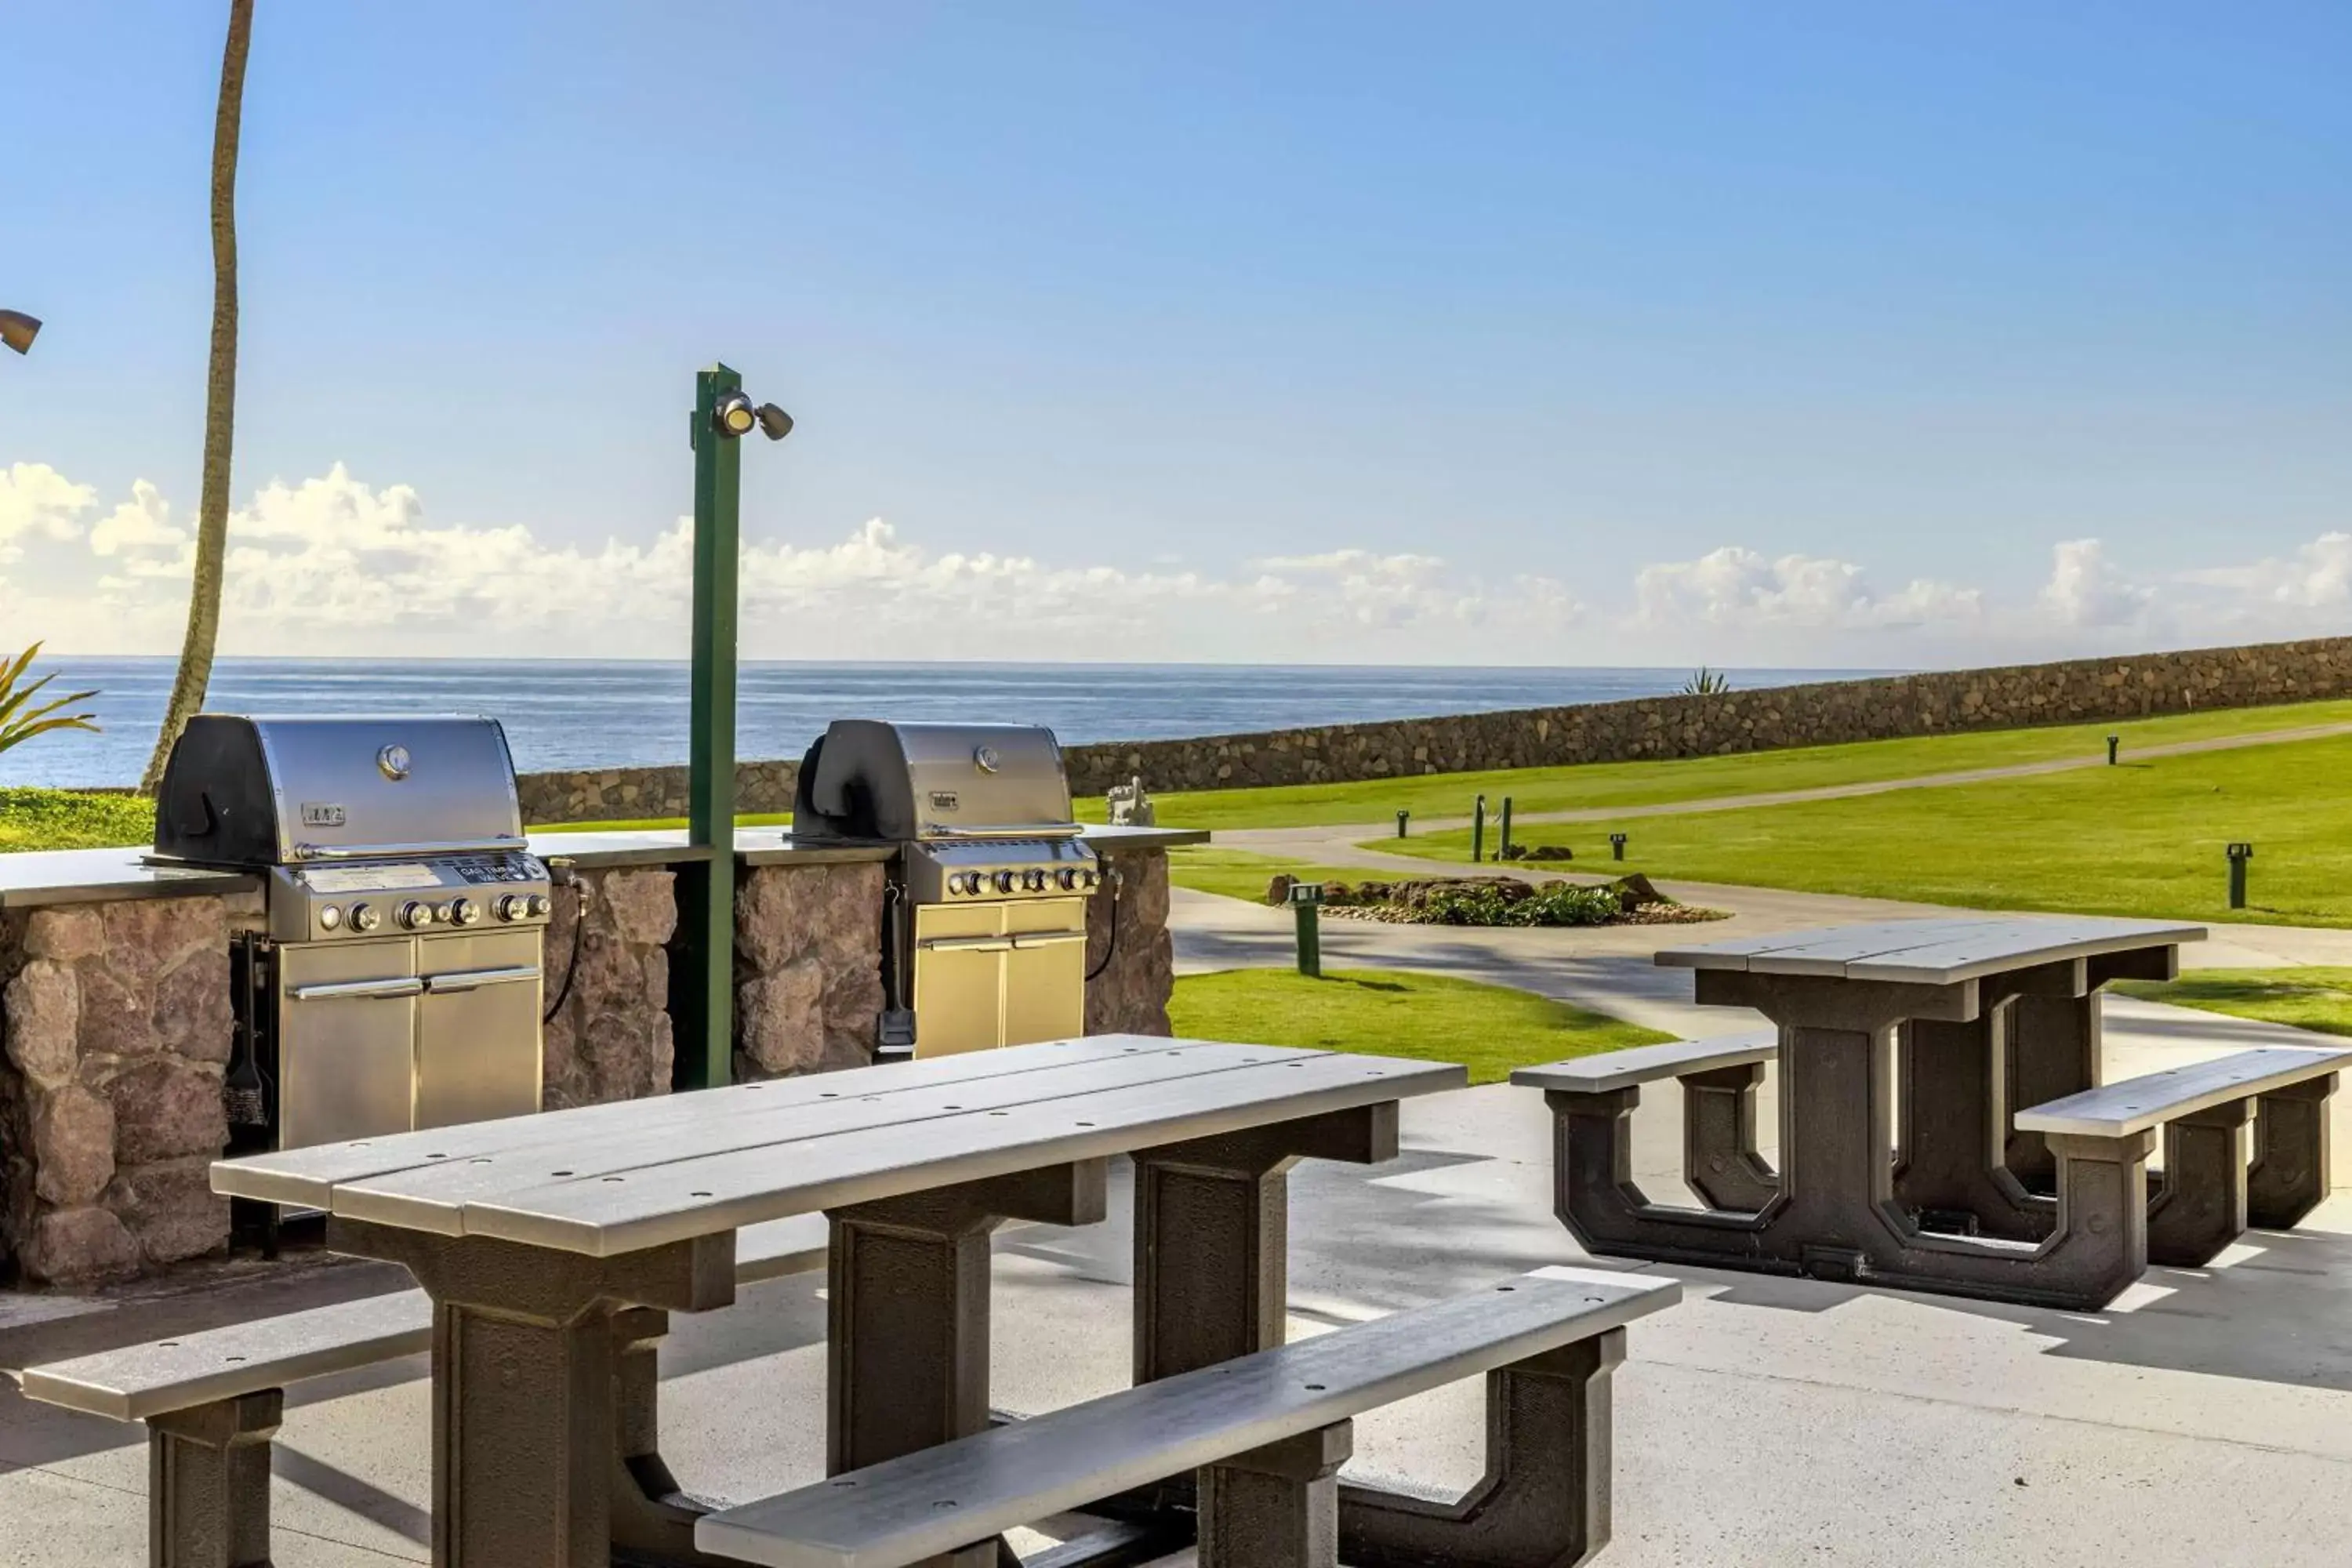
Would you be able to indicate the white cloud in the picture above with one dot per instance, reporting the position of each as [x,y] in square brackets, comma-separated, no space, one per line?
[38,502]
[2086,590]
[333,565]
[141,523]
[2317,576]
[1734,587]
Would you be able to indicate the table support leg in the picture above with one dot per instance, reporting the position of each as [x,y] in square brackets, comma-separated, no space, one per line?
[1212,1235]
[525,1433]
[908,1306]
[2291,1169]
[1277,1507]
[2053,1051]
[208,1483]
[1544,1498]
[653,1517]
[1952,1131]
[1720,1161]
[2202,1206]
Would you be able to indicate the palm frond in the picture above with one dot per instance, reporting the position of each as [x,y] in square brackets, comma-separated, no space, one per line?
[19,720]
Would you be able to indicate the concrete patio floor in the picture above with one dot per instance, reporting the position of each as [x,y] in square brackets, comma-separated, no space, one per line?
[2206,1418]
[1762,1422]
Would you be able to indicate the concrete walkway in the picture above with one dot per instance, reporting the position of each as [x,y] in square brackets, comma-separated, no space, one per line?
[1253,837]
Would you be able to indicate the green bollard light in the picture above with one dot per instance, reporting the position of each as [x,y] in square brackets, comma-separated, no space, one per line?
[1616,847]
[1503,848]
[1306,905]
[2113,741]
[1478,831]
[2239,854]
[1403,818]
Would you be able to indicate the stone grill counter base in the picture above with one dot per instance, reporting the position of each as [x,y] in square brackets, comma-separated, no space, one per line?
[115,1016]
[117,1031]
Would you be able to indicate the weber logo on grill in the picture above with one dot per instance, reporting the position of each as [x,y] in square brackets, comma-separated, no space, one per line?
[943,800]
[321,814]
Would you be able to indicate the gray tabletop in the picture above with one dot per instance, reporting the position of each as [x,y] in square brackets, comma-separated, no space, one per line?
[1934,952]
[608,1179]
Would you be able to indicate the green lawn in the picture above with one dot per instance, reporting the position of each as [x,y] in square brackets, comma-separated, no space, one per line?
[2135,840]
[2315,998]
[69,819]
[1238,875]
[1695,778]
[1490,1029]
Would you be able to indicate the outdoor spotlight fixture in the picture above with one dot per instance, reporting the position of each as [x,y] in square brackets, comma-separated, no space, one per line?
[18,330]
[734,416]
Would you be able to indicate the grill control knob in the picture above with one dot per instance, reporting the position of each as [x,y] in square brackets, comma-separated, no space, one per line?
[366,917]
[1068,879]
[959,883]
[538,906]
[1033,879]
[465,912]
[512,906]
[330,917]
[1005,881]
[414,915]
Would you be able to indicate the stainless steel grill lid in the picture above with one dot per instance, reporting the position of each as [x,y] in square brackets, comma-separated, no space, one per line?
[867,779]
[246,791]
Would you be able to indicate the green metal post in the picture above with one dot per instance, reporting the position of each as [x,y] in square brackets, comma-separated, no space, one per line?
[1478,831]
[2113,741]
[703,998]
[1403,818]
[1306,902]
[1616,847]
[2239,854]
[1503,844]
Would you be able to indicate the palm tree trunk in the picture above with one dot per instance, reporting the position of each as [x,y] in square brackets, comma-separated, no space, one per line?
[220,406]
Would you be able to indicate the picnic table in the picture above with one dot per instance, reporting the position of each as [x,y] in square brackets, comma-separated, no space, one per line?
[553,1245]
[1905,1051]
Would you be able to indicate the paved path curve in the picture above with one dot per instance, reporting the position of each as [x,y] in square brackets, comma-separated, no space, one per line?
[1253,837]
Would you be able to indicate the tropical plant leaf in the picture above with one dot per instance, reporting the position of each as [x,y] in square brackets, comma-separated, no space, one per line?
[19,722]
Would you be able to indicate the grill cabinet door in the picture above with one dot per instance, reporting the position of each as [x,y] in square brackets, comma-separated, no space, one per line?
[1046,973]
[346,1045]
[478,1036]
[960,953]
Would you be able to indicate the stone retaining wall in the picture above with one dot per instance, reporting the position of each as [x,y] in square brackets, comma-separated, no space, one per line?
[2079,691]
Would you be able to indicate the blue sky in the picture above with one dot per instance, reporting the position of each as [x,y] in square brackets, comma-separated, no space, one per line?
[1822,333]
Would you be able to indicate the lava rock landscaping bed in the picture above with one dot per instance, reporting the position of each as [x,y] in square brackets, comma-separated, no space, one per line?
[1500,901]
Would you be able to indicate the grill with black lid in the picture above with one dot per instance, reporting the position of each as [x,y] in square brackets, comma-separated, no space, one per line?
[987,926]
[396,982]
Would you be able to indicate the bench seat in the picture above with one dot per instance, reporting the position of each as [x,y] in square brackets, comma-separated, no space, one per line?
[1600,1073]
[139,1382]
[2212,1190]
[941,1501]
[1719,1076]
[2152,1100]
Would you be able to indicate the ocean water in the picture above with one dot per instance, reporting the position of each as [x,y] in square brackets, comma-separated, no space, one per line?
[581,713]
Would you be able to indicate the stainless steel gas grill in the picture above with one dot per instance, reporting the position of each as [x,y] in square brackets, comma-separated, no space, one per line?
[985,936]
[397,982]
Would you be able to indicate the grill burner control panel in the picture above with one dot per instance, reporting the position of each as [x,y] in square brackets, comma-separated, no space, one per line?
[997,869]
[360,899]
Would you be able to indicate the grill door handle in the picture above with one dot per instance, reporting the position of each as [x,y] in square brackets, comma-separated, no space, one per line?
[1027,939]
[966,943]
[336,990]
[474,979]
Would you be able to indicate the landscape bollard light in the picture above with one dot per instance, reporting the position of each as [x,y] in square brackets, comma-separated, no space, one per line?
[1478,831]
[1503,844]
[1307,903]
[1616,847]
[2113,741]
[1403,818]
[2239,854]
